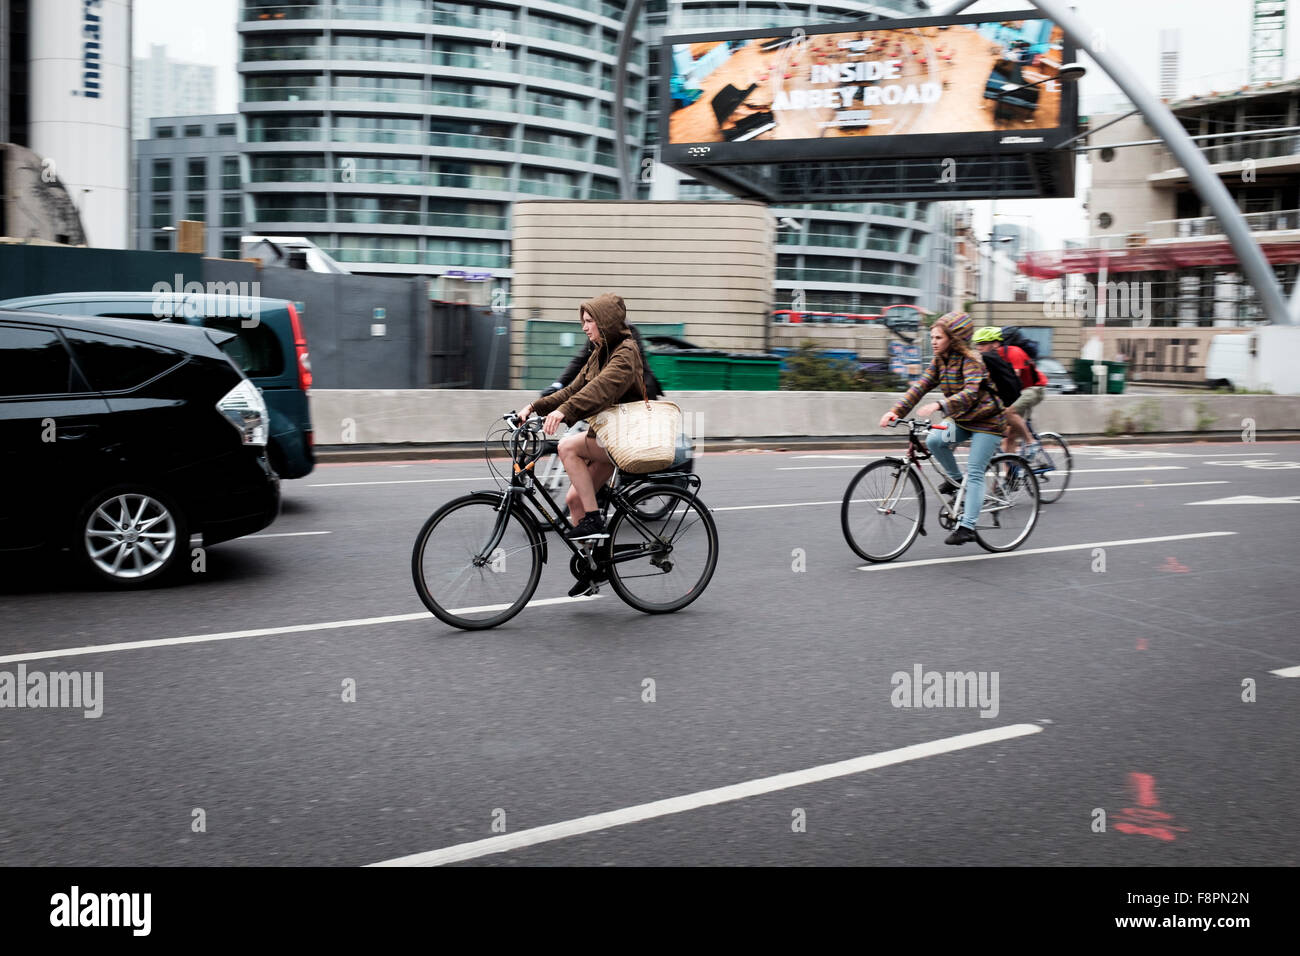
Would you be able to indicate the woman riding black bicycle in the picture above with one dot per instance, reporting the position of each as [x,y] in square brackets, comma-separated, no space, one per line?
[613,374]
[975,410]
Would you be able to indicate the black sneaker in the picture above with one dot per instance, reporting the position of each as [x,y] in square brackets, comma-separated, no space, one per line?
[948,488]
[591,526]
[962,535]
[582,587]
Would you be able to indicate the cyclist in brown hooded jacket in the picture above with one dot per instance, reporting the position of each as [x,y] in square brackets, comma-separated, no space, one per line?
[614,374]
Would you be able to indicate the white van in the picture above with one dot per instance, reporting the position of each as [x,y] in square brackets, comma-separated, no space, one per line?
[1231,361]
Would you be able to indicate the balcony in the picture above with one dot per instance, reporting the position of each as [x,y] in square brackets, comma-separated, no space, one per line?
[575,153]
[415,257]
[378,54]
[379,217]
[788,274]
[543,188]
[291,214]
[1277,221]
[285,134]
[1228,150]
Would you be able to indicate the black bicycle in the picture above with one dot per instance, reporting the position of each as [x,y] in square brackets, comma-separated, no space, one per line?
[478,559]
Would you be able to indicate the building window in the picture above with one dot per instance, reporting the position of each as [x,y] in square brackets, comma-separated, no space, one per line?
[196,175]
[196,208]
[193,131]
[162,212]
[226,129]
[165,132]
[162,176]
[162,242]
[230,172]
[230,246]
[231,213]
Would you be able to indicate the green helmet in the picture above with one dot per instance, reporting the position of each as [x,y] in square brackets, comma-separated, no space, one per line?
[990,333]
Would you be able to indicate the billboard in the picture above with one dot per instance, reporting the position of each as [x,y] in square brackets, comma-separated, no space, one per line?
[932,87]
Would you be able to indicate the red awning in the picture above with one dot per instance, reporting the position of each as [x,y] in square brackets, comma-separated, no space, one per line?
[1151,258]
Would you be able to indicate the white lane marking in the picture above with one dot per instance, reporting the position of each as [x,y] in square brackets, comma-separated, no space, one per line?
[795,504]
[1153,484]
[286,534]
[402,481]
[706,798]
[1074,471]
[802,504]
[887,566]
[1094,471]
[268,631]
[1249,500]
[1287,672]
[1130,455]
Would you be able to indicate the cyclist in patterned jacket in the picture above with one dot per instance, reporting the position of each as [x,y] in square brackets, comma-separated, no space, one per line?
[969,401]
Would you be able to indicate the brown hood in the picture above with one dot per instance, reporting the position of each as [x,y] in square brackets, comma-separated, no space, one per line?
[611,318]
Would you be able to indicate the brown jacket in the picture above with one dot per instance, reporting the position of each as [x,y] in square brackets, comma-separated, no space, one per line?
[613,373]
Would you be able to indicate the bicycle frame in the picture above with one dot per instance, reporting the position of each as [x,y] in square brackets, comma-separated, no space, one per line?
[525,485]
[917,454]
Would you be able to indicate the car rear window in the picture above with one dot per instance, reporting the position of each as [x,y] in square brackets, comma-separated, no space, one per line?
[35,362]
[111,364]
[255,350]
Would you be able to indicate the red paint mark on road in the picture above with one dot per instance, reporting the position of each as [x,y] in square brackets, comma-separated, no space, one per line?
[1146,818]
[1174,565]
[1142,644]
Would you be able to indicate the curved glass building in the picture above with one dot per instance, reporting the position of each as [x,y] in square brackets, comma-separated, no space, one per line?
[396,133]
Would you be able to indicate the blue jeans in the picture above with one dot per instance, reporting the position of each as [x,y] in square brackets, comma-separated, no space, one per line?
[982,448]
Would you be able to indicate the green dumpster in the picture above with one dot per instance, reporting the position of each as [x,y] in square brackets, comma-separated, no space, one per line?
[754,373]
[1086,378]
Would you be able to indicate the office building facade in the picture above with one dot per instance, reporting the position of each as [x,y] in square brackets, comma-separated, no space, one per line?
[190,168]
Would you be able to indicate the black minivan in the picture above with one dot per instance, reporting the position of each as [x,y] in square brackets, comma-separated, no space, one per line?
[271,351]
[120,439]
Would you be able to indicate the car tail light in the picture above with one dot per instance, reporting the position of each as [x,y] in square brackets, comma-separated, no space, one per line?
[300,349]
[245,408]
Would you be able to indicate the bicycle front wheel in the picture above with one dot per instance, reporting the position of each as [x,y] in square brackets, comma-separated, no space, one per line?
[1054,477]
[1010,508]
[883,510]
[659,565]
[466,579]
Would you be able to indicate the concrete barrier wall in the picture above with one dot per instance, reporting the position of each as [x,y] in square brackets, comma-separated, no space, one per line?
[432,416]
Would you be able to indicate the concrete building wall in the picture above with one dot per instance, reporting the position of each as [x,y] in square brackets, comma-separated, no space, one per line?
[708,265]
[1120,188]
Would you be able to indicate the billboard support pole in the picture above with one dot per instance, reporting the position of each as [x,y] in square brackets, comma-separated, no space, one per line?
[1203,178]
[632,14]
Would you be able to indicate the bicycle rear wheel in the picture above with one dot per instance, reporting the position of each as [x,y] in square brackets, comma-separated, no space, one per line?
[883,510]
[461,584]
[659,565]
[1010,508]
[1055,477]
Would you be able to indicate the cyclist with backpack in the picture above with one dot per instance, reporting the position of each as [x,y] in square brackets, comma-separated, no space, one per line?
[970,402]
[994,344]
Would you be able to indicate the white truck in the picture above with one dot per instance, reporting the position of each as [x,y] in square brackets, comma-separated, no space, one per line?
[1266,358]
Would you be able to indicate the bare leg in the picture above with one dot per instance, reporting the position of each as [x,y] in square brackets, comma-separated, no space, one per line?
[1016,430]
[589,467]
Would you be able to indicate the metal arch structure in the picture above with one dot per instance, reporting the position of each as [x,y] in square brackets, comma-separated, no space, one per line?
[1204,180]
[630,17]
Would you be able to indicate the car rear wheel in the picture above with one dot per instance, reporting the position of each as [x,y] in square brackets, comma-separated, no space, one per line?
[130,536]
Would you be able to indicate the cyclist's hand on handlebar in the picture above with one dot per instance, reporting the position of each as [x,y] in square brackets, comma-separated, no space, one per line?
[888,419]
[553,422]
[523,415]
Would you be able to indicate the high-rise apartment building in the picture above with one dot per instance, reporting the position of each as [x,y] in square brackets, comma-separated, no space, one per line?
[395,134]
[166,87]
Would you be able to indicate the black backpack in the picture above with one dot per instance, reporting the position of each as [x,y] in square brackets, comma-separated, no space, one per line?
[1011,335]
[1002,377]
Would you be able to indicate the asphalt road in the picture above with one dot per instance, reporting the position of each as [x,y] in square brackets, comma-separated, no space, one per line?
[1119,690]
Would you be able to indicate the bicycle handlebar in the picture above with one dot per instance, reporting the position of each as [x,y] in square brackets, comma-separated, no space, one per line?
[917,424]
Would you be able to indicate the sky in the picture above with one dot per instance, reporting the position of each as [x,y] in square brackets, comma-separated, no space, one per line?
[1214,40]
